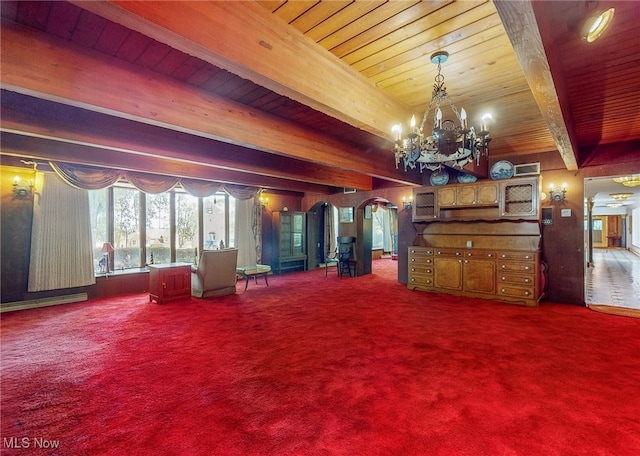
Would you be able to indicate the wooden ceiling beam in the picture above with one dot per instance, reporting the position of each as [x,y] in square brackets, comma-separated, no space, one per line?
[36,118]
[247,40]
[45,67]
[520,24]
[35,148]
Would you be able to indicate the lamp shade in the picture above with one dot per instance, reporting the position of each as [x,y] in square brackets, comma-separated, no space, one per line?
[107,247]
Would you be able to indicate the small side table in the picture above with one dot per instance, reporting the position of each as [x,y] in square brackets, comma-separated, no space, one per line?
[259,270]
[169,281]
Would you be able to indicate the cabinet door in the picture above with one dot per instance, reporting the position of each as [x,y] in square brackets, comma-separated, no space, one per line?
[519,199]
[448,273]
[177,282]
[479,275]
[424,205]
[487,194]
[466,195]
[446,197]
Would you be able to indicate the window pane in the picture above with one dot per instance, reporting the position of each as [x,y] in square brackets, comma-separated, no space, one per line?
[232,221]
[158,228]
[186,227]
[214,221]
[126,219]
[99,207]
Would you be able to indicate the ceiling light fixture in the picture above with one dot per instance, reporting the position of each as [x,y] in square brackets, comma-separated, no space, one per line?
[450,143]
[620,196]
[628,181]
[596,24]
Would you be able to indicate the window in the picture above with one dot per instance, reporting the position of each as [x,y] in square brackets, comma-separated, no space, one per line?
[166,225]
[158,228]
[126,228]
[100,210]
[187,227]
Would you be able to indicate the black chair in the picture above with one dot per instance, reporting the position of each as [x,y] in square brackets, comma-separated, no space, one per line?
[345,254]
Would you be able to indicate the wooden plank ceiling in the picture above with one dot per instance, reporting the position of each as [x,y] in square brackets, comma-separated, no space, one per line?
[301,95]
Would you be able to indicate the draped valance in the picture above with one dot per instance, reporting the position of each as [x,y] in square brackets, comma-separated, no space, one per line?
[92,178]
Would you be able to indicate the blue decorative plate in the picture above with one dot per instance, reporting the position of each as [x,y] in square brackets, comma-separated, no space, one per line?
[465,178]
[439,178]
[502,170]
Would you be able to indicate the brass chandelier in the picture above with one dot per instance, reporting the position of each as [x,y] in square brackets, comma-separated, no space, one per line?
[450,143]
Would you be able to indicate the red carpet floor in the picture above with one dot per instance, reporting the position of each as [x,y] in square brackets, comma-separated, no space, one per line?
[320,366]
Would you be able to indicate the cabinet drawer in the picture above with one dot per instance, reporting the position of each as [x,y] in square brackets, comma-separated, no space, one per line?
[449,253]
[420,270]
[422,260]
[519,256]
[420,251]
[518,292]
[516,267]
[478,254]
[517,279]
[420,280]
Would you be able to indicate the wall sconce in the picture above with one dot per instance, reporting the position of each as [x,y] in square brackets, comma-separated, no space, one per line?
[407,203]
[22,188]
[107,248]
[264,201]
[557,194]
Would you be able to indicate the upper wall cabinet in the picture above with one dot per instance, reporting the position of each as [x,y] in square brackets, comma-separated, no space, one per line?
[520,199]
[491,200]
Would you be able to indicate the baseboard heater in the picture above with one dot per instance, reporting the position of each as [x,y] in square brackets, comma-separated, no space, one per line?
[42,302]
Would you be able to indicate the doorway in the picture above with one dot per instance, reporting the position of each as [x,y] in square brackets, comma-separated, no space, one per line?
[612,272]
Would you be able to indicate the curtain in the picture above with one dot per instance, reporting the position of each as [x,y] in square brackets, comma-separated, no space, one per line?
[151,183]
[61,254]
[86,177]
[200,189]
[330,236]
[390,228]
[90,178]
[245,235]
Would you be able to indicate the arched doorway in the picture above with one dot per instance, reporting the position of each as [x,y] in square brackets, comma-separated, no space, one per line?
[322,231]
[377,232]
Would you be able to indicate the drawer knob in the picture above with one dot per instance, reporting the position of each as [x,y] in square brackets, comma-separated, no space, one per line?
[503,278]
[503,290]
[527,280]
[413,260]
[526,293]
[527,267]
[504,266]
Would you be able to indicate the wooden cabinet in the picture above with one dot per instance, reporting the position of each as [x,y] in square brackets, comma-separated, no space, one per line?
[468,195]
[424,204]
[510,276]
[290,242]
[519,199]
[421,267]
[169,282]
[489,200]
[518,274]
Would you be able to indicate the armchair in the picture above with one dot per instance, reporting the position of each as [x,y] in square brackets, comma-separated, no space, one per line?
[215,274]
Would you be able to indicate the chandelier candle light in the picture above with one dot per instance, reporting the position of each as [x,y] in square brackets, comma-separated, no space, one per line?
[450,143]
